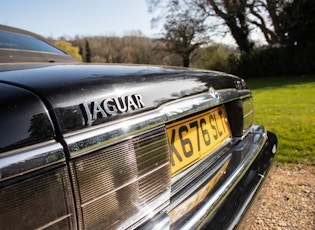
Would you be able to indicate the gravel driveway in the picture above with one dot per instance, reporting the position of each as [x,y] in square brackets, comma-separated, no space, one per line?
[286,200]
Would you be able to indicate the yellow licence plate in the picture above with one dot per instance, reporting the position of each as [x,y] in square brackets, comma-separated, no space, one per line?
[195,137]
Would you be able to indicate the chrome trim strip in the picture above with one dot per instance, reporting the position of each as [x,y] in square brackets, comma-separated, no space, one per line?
[245,204]
[54,222]
[248,114]
[220,195]
[209,158]
[96,137]
[244,93]
[255,142]
[198,184]
[18,162]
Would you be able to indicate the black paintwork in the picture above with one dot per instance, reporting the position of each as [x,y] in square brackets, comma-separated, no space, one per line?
[53,93]
[63,88]
[23,119]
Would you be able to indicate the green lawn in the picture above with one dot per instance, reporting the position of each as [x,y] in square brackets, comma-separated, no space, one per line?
[286,106]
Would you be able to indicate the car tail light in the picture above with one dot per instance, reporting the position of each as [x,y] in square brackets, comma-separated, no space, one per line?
[43,201]
[248,113]
[241,115]
[121,185]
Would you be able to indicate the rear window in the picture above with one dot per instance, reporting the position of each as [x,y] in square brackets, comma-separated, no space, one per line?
[15,41]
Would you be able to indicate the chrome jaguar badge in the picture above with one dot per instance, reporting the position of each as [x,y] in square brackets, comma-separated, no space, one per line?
[213,93]
[111,107]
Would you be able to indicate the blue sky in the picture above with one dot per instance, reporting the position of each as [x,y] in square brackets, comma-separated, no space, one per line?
[68,18]
[57,18]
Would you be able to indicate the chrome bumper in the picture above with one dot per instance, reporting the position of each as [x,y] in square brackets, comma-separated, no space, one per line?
[248,161]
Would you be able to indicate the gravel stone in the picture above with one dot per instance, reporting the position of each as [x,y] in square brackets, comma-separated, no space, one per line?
[285,201]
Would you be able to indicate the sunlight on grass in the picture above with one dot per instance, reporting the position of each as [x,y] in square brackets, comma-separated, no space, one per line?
[286,106]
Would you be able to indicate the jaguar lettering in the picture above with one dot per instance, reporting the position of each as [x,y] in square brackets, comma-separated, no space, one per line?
[111,107]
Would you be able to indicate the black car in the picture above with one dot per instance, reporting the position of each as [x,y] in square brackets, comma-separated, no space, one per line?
[122,146]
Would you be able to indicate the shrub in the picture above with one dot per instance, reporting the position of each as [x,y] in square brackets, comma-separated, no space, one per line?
[271,62]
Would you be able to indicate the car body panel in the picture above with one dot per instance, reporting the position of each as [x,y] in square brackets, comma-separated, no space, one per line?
[87,146]
[68,87]
[25,118]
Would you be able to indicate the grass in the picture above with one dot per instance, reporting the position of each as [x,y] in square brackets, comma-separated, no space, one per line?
[286,106]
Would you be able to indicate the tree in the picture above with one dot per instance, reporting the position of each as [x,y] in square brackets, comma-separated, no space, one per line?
[298,24]
[183,34]
[69,48]
[136,48]
[214,57]
[87,51]
[239,16]
[258,9]
[232,13]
